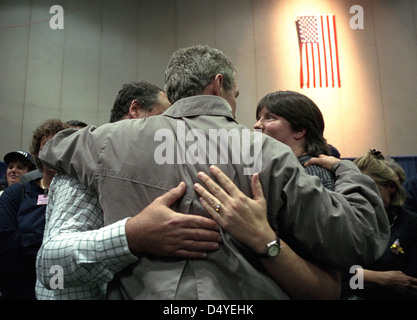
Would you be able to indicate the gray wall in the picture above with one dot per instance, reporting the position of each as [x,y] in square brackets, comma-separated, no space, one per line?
[75,73]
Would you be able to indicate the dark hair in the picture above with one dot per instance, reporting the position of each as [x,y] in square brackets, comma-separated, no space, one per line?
[191,69]
[302,113]
[50,126]
[147,94]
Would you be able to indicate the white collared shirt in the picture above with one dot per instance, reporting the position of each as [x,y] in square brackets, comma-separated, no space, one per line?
[76,240]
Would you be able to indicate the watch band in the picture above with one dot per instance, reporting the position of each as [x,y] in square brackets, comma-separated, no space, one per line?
[277,246]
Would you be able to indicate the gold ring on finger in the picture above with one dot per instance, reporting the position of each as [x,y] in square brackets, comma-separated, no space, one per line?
[218,206]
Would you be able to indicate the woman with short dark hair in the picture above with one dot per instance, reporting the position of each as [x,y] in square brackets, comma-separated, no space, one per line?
[295,120]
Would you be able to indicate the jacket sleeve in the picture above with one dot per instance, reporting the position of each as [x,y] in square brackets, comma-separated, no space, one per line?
[344,227]
[77,152]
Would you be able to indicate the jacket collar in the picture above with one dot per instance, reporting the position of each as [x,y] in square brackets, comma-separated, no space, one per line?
[200,105]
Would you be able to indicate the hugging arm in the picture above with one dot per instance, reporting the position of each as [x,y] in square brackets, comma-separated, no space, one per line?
[246,220]
[90,253]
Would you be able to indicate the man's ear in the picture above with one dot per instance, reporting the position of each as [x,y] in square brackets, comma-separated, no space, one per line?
[218,84]
[215,87]
[134,109]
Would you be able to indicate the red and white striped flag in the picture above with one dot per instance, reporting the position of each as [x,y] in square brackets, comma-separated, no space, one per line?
[318,51]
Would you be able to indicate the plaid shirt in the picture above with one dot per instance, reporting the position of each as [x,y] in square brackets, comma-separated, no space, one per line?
[76,240]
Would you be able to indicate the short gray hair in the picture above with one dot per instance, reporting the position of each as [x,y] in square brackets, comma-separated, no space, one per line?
[191,69]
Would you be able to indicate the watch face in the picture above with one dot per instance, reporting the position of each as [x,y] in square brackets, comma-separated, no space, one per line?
[273,250]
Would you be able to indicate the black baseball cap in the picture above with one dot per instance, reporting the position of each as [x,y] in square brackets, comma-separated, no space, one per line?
[23,156]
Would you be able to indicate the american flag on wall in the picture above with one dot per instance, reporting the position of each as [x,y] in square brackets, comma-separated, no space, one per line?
[318,51]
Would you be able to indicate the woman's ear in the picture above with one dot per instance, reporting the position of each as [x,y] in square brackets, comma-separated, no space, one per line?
[299,134]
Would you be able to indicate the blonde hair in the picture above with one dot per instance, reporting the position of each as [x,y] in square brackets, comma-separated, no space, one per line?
[374,165]
[394,165]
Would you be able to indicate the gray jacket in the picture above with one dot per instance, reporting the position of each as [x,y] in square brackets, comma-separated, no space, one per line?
[131,162]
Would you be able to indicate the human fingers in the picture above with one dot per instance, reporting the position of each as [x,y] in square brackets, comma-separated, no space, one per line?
[196,242]
[212,201]
[412,284]
[190,249]
[323,161]
[256,185]
[198,222]
[212,212]
[187,254]
[413,280]
[217,193]
[225,181]
[172,195]
[200,240]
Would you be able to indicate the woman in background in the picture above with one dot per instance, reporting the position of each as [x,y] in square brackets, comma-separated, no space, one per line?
[295,120]
[22,223]
[394,275]
[18,163]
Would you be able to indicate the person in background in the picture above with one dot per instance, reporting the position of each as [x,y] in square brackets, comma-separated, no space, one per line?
[137,100]
[22,222]
[3,180]
[394,275]
[18,164]
[295,120]
[35,174]
[410,186]
[398,169]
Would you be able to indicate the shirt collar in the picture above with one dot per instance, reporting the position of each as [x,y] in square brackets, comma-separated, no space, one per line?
[200,105]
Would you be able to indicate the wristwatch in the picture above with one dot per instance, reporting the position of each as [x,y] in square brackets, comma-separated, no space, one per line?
[272,249]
